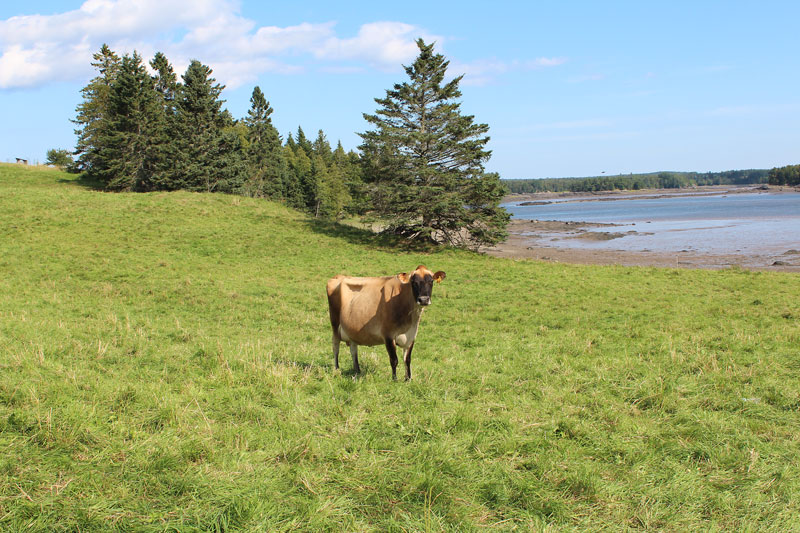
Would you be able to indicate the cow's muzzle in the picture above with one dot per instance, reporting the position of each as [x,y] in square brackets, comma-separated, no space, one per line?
[424,300]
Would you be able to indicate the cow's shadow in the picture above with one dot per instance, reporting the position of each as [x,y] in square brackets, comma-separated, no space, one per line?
[345,370]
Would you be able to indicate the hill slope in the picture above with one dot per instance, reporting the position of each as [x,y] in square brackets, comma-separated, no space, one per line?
[165,364]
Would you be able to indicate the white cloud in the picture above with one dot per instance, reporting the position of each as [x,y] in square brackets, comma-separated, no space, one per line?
[485,71]
[587,77]
[380,44]
[752,110]
[36,50]
[547,62]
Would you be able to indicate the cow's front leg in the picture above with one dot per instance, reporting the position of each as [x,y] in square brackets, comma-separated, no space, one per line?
[354,353]
[407,361]
[392,349]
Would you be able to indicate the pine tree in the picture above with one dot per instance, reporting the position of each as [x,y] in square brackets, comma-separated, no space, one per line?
[329,192]
[163,150]
[322,147]
[293,189]
[303,142]
[166,82]
[424,161]
[349,165]
[267,167]
[135,121]
[209,154]
[91,114]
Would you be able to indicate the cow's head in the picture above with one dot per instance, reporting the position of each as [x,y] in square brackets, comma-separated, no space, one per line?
[421,281]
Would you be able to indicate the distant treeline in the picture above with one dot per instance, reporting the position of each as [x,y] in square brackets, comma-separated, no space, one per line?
[654,180]
[788,175]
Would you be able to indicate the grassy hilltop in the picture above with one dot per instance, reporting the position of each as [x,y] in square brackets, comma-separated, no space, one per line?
[165,365]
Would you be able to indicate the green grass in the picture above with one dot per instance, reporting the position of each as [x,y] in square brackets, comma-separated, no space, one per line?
[165,365]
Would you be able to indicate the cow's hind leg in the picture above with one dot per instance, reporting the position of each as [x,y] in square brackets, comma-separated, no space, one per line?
[407,361]
[354,353]
[336,341]
[391,347]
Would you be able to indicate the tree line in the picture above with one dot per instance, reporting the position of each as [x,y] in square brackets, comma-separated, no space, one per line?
[788,175]
[655,180]
[142,132]
[420,171]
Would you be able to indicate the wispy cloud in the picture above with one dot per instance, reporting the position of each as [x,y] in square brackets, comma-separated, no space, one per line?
[39,49]
[588,123]
[751,110]
[546,62]
[587,77]
[484,71]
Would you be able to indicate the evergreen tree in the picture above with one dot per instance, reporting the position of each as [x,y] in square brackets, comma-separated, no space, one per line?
[209,155]
[290,142]
[349,165]
[293,189]
[300,165]
[267,166]
[91,114]
[163,149]
[329,195]
[425,161]
[303,142]
[135,126]
[166,82]
[322,147]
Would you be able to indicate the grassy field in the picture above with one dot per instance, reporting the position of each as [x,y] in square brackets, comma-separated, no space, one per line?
[165,365]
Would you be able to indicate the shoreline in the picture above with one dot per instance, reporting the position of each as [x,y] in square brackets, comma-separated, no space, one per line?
[647,194]
[524,240]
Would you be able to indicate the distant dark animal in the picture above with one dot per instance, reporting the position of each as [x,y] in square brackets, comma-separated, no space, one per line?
[22,161]
[384,310]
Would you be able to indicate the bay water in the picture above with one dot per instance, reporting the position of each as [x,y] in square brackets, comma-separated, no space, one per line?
[752,223]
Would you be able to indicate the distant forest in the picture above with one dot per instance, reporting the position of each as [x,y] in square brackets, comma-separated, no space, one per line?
[788,175]
[654,180]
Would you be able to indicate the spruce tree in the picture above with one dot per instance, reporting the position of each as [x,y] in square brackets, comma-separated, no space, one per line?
[303,142]
[349,165]
[329,192]
[135,122]
[424,161]
[322,147]
[163,150]
[267,167]
[209,154]
[293,189]
[92,112]
[166,81]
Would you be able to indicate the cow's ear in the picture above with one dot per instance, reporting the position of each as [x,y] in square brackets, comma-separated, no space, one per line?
[439,276]
[404,278]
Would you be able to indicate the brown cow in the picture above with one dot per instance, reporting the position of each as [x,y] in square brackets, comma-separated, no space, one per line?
[384,310]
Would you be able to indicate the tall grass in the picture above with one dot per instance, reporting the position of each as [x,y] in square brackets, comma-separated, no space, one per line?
[165,365]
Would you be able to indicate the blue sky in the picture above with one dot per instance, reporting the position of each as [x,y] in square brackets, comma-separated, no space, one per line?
[567,88]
